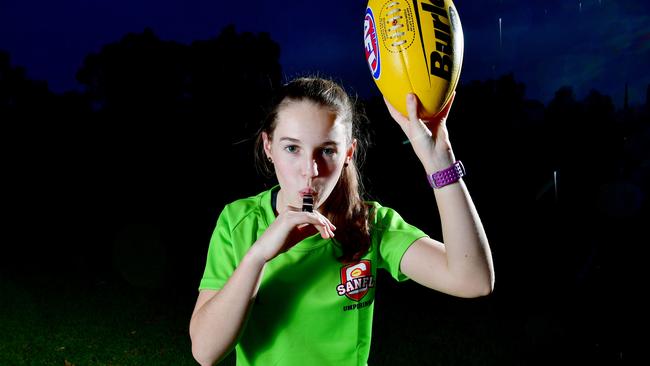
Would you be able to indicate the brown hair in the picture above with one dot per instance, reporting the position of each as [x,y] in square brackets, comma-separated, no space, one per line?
[345,206]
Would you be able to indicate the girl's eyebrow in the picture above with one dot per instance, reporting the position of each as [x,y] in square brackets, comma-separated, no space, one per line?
[291,139]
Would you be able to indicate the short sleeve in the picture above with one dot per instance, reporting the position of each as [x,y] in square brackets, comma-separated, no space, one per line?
[221,262]
[393,237]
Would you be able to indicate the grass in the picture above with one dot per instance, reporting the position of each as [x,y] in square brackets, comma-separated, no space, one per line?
[51,321]
[58,320]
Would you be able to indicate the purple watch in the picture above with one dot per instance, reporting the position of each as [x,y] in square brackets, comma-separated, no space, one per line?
[447,176]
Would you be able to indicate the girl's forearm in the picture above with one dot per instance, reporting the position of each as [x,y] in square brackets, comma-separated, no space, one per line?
[216,325]
[466,244]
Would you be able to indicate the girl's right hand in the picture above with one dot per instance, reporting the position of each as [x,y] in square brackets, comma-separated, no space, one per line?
[288,228]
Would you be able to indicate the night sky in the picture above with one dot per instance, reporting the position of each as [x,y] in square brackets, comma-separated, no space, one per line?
[589,44]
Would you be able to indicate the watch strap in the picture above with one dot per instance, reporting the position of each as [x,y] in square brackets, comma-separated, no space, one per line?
[447,176]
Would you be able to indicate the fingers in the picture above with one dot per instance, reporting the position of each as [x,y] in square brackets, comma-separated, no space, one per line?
[316,219]
[442,115]
[397,116]
[415,128]
[412,107]
[323,225]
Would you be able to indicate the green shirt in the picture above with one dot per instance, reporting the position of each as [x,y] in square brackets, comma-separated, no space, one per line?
[310,309]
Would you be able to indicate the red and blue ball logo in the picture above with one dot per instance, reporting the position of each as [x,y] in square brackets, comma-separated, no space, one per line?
[371,44]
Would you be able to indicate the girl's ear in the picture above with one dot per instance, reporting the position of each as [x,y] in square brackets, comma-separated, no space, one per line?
[267,144]
[350,153]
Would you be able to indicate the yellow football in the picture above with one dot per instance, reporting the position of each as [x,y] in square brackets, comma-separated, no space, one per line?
[414,47]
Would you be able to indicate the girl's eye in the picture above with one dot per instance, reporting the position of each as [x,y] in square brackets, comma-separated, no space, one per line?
[329,151]
[291,148]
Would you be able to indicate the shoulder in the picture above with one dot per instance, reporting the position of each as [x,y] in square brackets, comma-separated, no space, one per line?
[251,208]
[381,215]
[383,220]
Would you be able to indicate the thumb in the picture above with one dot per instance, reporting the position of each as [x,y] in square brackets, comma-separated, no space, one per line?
[412,106]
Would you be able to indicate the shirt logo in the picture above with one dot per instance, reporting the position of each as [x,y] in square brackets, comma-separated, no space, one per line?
[356,280]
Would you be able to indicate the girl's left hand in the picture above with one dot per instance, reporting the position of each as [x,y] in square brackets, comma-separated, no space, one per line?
[430,137]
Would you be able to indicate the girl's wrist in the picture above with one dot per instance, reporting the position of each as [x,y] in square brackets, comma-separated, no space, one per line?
[255,256]
[440,162]
[447,176]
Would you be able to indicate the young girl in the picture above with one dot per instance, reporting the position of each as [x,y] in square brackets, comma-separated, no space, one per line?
[290,273]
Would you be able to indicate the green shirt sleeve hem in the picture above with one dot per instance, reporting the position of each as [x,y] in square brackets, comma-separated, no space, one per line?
[210,284]
[400,276]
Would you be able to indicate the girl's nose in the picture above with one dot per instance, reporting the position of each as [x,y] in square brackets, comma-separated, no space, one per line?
[311,169]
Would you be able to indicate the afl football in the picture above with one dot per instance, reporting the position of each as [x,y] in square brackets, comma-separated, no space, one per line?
[414,47]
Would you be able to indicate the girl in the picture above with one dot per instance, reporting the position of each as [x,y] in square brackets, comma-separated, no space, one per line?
[290,273]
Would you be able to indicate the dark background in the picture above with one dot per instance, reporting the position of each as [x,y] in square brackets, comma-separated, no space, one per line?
[126,127]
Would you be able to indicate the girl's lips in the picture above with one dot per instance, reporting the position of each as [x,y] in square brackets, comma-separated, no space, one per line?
[307,192]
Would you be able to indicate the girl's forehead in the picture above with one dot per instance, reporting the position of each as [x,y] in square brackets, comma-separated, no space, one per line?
[305,120]
[303,107]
